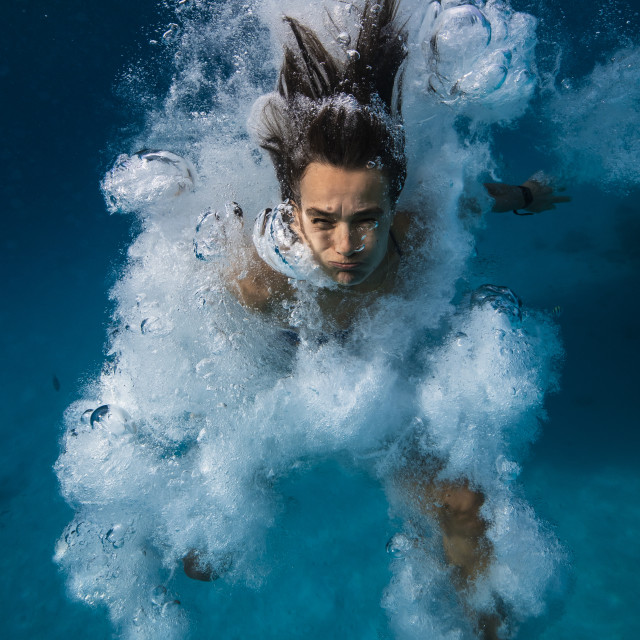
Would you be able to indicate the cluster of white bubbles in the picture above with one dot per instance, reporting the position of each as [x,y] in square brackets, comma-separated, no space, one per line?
[202,402]
[479,56]
[146,178]
[283,250]
[596,123]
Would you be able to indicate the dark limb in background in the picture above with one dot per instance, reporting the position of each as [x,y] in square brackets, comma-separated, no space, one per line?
[535,195]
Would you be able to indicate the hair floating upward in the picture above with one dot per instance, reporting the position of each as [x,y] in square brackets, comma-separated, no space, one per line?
[342,112]
[309,70]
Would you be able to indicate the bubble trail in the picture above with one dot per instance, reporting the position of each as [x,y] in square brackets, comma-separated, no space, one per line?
[178,448]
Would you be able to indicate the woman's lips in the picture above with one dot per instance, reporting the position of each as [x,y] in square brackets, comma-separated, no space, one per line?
[345,266]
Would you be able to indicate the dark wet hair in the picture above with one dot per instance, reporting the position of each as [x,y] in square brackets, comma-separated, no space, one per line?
[346,114]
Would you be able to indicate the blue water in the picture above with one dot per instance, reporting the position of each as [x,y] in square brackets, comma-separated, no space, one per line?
[61,127]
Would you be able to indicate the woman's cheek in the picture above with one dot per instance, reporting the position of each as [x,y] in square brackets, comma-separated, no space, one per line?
[321,241]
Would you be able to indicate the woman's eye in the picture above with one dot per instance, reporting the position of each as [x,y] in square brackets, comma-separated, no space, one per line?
[367,225]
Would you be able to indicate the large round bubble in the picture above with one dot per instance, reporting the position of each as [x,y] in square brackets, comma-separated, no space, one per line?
[460,36]
[145,178]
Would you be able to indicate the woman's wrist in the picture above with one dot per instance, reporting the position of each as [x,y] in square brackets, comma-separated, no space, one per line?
[535,195]
[527,198]
[507,197]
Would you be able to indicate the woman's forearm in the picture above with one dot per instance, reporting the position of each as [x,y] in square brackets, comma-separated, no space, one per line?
[506,197]
[535,195]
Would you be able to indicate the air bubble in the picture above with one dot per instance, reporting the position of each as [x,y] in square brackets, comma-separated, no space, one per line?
[487,77]
[159,595]
[209,236]
[61,549]
[239,63]
[454,48]
[400,545]
[70,539]
[148,177]
[216,230]
[171,31]
[115,536]
[154,325]
[353,55]
[461,34]
[113,419]
[507,470]
[168,608]
[140,618]
[462,339]
[344,39]
[524,76]
[85,418]
[502,299]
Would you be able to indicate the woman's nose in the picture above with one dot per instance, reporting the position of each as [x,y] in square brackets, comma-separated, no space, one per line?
[347,240]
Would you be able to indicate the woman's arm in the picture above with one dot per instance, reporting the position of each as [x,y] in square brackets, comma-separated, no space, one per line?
[258,286]
[533,196]
[251,280]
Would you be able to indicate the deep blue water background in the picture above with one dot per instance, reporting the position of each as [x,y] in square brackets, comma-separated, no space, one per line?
[60,127]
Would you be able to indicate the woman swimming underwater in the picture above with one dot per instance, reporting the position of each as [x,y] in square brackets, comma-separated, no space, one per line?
[334,132]
[331,331]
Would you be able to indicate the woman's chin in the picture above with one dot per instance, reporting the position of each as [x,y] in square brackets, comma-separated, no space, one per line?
[344,278]
[347,278]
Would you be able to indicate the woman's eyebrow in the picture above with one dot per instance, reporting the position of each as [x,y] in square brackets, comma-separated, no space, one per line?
[372,211]
[312,211]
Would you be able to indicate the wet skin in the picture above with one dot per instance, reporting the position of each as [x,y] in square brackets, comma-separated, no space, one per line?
[344,217]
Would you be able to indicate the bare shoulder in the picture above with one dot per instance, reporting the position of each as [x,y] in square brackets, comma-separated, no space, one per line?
[260,287]
[402,223]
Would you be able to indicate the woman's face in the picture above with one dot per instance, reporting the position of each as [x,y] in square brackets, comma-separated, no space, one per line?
[344,216]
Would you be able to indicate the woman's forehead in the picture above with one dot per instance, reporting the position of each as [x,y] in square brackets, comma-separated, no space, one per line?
[326,187]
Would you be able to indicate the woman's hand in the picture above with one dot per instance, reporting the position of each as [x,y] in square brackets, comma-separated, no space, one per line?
[544,192]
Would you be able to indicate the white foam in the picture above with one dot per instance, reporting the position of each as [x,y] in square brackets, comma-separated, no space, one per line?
[596,124]
[479,57]
[224,401]
[484,396]
[146,178]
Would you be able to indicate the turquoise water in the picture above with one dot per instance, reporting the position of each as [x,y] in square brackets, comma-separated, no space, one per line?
[61,253]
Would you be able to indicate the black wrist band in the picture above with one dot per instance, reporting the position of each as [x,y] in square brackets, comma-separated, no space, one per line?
[528,199]
[527,195]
